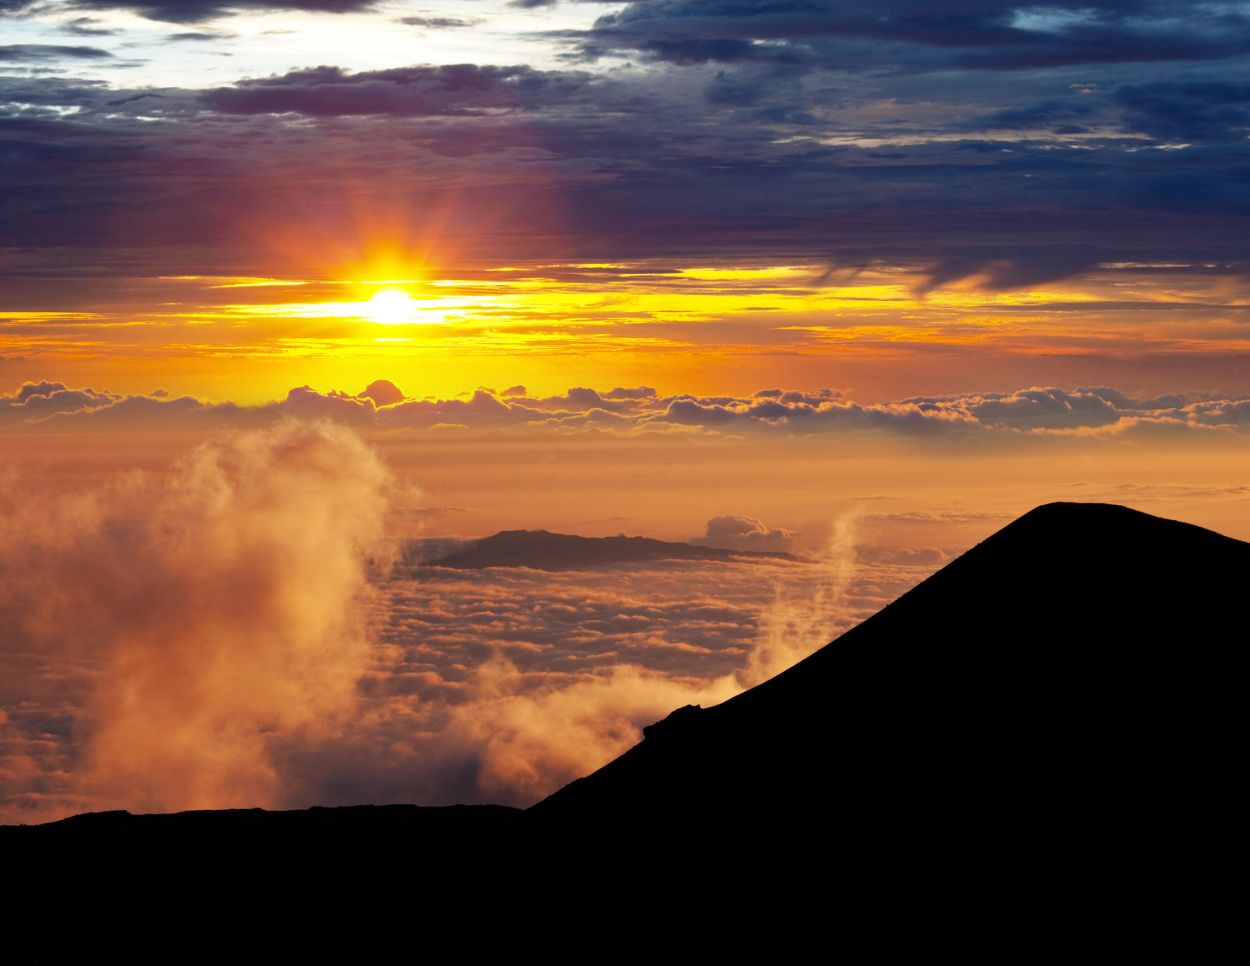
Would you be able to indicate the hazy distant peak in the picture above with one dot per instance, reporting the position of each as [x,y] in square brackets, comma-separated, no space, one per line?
[544,550]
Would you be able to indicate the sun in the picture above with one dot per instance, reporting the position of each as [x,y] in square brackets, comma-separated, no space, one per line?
[390,306]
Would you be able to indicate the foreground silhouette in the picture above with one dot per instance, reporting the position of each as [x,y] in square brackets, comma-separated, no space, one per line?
[1062,700]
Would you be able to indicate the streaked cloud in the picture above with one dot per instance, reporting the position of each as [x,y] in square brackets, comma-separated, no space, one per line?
[842,35]
[198,11]
[460,90]
[35,53]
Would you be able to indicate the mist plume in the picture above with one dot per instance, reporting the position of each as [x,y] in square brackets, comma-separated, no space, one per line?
[220,605]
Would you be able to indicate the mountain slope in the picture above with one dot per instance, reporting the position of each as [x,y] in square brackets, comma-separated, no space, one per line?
[1073,682]
[1055,717]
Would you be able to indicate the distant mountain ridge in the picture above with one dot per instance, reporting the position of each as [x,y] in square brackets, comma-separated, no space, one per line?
[543,550]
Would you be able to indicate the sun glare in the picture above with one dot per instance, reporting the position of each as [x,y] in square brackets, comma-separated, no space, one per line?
[391,307]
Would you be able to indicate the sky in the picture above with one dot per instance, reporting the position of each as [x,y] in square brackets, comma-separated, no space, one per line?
[286,285]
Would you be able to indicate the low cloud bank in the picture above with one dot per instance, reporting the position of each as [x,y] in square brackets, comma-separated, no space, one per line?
[626,411]
[231,633]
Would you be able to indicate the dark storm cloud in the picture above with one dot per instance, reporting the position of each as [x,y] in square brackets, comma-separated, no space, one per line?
[1188,110]
[1002,269]
[905,34]
[626,185]
[922,165]
[1063,115]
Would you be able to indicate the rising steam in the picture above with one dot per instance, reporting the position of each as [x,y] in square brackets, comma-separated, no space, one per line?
[220,606]
[793,628]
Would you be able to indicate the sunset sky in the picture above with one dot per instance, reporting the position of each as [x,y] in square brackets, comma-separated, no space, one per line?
[287,285]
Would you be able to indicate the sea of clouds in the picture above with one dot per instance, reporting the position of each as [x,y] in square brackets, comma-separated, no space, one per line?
[242,630]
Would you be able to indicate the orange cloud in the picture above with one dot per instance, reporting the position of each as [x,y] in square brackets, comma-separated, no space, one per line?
[220,605]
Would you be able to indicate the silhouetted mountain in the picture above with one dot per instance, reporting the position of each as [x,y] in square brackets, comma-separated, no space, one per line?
[562,551]
[1057,709]
[264,867]
[1066,691]
[303,837]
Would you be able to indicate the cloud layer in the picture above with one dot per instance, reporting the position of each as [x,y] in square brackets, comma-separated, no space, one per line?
[198,11]
[226,634]
[922,36]
[1035,412]
[1009,143]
